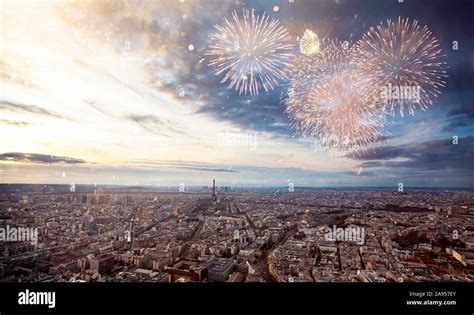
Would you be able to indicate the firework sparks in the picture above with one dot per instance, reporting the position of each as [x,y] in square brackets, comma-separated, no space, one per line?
[398,57]
[329,101]
[309,43]
[252,51]
[341,116]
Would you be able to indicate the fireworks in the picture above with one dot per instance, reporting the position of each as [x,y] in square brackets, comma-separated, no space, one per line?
[340,96]
[341,116]
[309,43]
[338,93]
[328,101]
[404,63]
[252,52]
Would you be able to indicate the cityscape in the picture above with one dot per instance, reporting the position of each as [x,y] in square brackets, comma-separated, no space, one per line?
[224,234]
[236,141]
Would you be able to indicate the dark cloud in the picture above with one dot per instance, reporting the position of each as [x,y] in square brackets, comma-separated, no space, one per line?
[38,158]
[460,116]
[458,122]
[6,105]
[465,109]
[435,155]
[263,113]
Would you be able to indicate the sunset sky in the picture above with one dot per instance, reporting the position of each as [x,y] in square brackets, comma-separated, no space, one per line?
[90,93]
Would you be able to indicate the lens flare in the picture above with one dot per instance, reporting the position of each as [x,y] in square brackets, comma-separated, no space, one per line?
[402,56]
[251,51]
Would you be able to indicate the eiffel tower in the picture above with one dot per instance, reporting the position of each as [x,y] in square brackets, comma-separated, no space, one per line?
[214,196]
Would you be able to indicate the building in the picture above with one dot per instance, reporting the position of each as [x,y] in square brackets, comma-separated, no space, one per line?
[219,269]
[186,271]
[102,264]
[368,276]
[160,263]
[466,258]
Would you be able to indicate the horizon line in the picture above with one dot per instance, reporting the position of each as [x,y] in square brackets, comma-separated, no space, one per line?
[161,186]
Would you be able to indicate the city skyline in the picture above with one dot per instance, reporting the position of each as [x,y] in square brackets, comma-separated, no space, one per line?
[113,234]
[120,93]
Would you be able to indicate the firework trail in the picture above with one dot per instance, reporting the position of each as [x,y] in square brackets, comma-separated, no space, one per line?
[252,52]
[402,54]
[329,101]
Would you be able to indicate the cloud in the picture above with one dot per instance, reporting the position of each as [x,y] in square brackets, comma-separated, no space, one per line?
[98,108]
[259,112]
[434,155]
[278,172]
[458,122]
[14,73]
[465,109]
[188,165]
[38,158]
[6,105]
[361,173]
[205,169]
[150,39]
[160,30]
[372,164]
[14,123]
[459,116]
[154,124]
[157,34]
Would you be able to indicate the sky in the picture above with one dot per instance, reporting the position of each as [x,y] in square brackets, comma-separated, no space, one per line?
[121,92]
